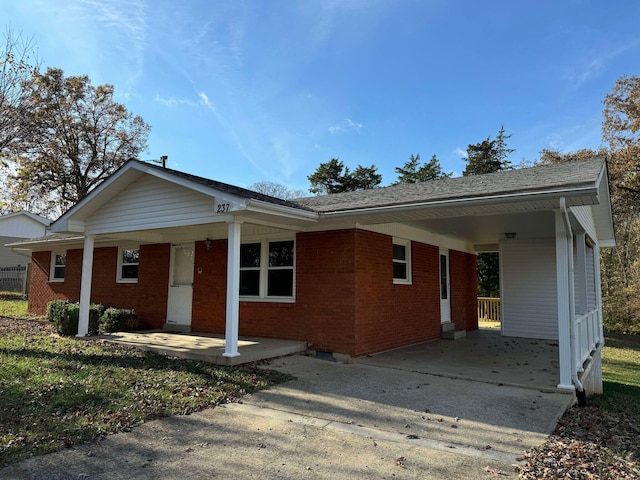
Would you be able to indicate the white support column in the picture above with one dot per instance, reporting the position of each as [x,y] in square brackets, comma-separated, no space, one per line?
[581,274]
[233,290]
[598,280]
[85,286]
[562,276]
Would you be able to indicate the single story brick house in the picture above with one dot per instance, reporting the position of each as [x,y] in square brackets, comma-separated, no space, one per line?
[352,273]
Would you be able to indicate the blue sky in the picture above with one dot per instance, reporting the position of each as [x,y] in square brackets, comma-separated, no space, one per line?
[244,91]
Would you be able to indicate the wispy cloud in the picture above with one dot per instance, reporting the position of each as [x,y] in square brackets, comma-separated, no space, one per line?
[460,152]
[581,73]
[125,25]
[597,62]
[346,124]
[174,102]
[204,100]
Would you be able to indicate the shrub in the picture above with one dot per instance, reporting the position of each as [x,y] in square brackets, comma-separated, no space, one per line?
[118,320]
[65,316]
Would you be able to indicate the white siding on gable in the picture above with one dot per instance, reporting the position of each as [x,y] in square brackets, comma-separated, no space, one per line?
[584,215]
[528,289]
[152,203]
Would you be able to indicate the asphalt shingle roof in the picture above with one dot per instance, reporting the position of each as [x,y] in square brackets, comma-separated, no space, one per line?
[540,178]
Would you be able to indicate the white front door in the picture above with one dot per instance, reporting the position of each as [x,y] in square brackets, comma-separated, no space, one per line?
[180,284]
[445,288]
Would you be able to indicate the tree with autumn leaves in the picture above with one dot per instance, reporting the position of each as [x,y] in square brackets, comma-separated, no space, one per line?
[59,136]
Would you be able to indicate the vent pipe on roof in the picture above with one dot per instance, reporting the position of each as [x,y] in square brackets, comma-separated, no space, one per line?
[162,161]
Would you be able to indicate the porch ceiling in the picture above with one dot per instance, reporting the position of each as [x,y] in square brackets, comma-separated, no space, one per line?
[490,229]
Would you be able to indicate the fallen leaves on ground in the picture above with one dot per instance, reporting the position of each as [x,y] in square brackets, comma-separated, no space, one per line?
[25,328]
[588,443]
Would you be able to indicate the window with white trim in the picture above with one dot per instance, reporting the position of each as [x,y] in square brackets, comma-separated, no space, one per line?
[267,270]
[128,262]
[58,266]
[401,261]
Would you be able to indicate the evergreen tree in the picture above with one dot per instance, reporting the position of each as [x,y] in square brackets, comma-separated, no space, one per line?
[413,172]
[334,177]
[489,156]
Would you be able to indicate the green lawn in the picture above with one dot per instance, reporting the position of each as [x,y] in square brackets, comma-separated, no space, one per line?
[621,375]
[13,305]
[56,392]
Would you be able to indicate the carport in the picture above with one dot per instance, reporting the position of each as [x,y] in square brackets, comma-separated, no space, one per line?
[483,355]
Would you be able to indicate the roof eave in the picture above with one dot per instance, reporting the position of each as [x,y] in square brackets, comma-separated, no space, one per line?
[259,206]
[590,190]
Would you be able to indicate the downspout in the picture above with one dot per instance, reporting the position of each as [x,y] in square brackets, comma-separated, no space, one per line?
[580,393]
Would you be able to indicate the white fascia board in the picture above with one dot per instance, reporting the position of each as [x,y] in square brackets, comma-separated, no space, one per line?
[602,213]
[260,206]
[576,191]
[44,245]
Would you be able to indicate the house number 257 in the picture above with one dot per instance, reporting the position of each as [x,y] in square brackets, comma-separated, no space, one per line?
[222,208]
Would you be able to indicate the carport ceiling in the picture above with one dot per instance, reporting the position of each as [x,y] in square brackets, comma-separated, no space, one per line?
[491,228]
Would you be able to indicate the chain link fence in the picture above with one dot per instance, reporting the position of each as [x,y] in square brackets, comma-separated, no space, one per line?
[14,279]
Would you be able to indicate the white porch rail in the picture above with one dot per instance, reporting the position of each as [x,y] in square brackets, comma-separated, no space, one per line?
[588,335]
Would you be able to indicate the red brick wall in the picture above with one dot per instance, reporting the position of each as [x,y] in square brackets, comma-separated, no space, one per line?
[325,287]
[323,312]
[390,315]
[42,291]
[346,300]
[464,290]
[148,297]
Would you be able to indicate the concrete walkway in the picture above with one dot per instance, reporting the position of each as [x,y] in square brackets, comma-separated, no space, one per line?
[335,421]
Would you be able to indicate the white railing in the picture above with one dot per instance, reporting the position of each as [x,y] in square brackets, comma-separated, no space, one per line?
[587,336]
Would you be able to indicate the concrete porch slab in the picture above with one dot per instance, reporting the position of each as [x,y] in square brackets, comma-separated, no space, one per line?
[206,347]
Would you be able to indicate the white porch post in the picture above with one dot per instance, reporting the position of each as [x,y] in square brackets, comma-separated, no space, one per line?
[581,274]
[85,286]
[562,276]
[233,290]
[598,280]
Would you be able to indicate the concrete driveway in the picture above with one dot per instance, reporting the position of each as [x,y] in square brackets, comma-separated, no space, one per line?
[335,421]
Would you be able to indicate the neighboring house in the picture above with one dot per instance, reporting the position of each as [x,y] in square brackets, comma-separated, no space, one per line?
[352,273]
[14,227]
[19,226]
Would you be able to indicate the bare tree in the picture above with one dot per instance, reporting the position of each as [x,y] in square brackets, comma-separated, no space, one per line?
[18,64]
[277,190]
